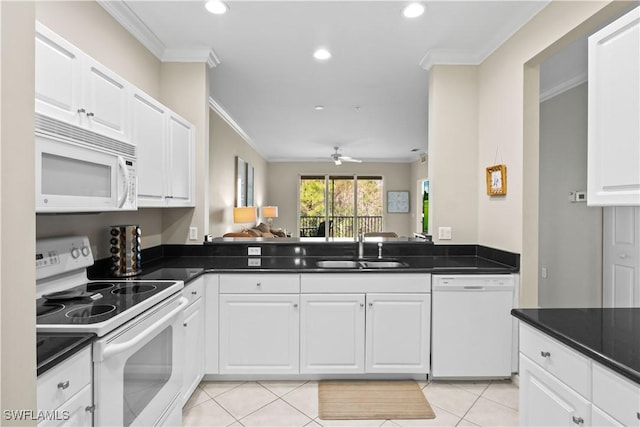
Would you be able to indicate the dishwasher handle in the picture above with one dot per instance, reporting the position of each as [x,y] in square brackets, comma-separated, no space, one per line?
[506,287]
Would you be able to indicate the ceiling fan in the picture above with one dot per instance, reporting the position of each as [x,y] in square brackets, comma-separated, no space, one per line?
[338,158]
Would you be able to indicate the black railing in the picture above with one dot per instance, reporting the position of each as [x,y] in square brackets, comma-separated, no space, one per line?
[341,226]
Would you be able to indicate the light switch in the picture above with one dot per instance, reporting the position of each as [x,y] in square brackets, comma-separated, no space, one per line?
[444,233]
[252,250]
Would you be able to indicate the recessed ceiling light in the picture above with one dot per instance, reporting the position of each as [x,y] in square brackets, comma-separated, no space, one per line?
[216,7]
[318,107]
[322,54]
[413,10]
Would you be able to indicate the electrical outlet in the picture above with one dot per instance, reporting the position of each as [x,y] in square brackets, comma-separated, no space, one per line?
[544,272]
[444,233]
[193,233]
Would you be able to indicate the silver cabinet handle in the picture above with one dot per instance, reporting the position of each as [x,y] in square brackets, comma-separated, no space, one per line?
[63,385]
[90,114]
[545,354]
[90,409]
[81,110]
[370,305]
[622,255]
[577,420]
[638,415]
[258,284]
[361,304]
[295,305]
[194,292]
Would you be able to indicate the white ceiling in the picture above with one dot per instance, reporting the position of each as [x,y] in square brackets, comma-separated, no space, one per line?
[374,88]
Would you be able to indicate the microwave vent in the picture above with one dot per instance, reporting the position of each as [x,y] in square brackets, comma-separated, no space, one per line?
[77,135]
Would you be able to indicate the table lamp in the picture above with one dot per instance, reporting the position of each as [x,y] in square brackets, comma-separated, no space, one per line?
[244,215]
[269,212]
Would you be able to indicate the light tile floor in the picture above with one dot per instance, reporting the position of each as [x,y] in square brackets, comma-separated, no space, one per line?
[295,404]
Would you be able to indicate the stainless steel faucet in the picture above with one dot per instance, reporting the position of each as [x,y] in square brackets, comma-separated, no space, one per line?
[360,245]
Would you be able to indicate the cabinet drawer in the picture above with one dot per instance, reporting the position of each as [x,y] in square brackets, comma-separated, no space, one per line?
[258,284]
[59,384]
[194,290]
[566,364]
[616,395]
[337,283]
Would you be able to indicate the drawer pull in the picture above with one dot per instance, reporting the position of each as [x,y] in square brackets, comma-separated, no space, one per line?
[63,385]
[361,304]
[545,354]
[194,292]
[91,409]
[258,284]
[295,305]
[577,420]
[638,415]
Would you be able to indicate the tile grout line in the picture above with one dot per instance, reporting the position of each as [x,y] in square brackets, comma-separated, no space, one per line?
[474,402]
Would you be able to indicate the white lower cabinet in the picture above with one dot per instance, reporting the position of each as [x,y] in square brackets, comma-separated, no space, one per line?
[332,331]
[357,331]
[546,401]
[194,351]
[259,333]
[64,393]
[559,386]
[398,333]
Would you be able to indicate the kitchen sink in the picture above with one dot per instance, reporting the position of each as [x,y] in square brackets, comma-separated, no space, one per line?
[338,263]
[344,263]
[382,264]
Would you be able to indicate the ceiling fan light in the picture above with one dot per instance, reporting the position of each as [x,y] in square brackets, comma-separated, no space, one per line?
[217,7]
[413,10]
[338,162]
[322,54]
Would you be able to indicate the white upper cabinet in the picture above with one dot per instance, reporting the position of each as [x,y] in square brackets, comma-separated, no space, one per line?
[614,114]
[166,152]
[180,161]
[72,87]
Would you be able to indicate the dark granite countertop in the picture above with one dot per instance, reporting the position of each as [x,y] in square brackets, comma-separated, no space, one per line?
[53,347]
[610,336]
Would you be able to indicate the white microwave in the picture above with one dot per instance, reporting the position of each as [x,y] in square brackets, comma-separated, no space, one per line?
[82,171]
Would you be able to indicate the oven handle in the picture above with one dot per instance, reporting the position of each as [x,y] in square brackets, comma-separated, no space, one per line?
[112,349]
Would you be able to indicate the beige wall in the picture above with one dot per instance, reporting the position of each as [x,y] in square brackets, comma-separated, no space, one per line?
[453,152]
[225,145]
[283,178]
[17,204]
[182,87]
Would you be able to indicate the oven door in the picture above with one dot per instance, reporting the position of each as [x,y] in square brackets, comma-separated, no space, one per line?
[74,178]
[138,369]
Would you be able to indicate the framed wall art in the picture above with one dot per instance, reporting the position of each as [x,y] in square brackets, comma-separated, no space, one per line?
[397,201]
[497,180]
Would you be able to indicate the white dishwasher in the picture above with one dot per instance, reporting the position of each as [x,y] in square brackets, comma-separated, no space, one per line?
[472,332]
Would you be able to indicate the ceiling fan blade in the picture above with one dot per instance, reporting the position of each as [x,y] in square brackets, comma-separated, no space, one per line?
[349,159]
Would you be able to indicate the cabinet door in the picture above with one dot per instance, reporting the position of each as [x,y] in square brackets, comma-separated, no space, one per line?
[194,348]
[180,162]
[546,401]
[398,333]
[259,334]
[58,78]
[148,133]
[211,330]
[621,257]
[332,333]
[76,412]
[614,114]
[602,419]
[106,100]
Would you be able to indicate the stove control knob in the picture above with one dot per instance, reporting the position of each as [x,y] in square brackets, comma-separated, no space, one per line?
[75,253]
[85,251]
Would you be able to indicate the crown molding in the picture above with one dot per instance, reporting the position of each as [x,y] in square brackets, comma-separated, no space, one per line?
[449,57]
[218,109]
[191,55]
[138,29]
[564,86]
[134,25]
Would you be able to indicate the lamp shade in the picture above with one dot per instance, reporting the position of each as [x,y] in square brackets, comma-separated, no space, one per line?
[244,214]
[269,211]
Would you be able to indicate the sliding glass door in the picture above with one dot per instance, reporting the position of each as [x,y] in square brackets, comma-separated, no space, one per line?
[339,205]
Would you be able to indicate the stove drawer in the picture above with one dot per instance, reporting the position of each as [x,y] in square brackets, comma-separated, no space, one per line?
[59,384]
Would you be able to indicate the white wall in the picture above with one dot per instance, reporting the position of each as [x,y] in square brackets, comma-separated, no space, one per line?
[453,152]
[570,233]
[17,204]
[283,179]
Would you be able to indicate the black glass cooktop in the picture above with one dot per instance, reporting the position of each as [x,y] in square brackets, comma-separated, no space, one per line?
[94,302]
